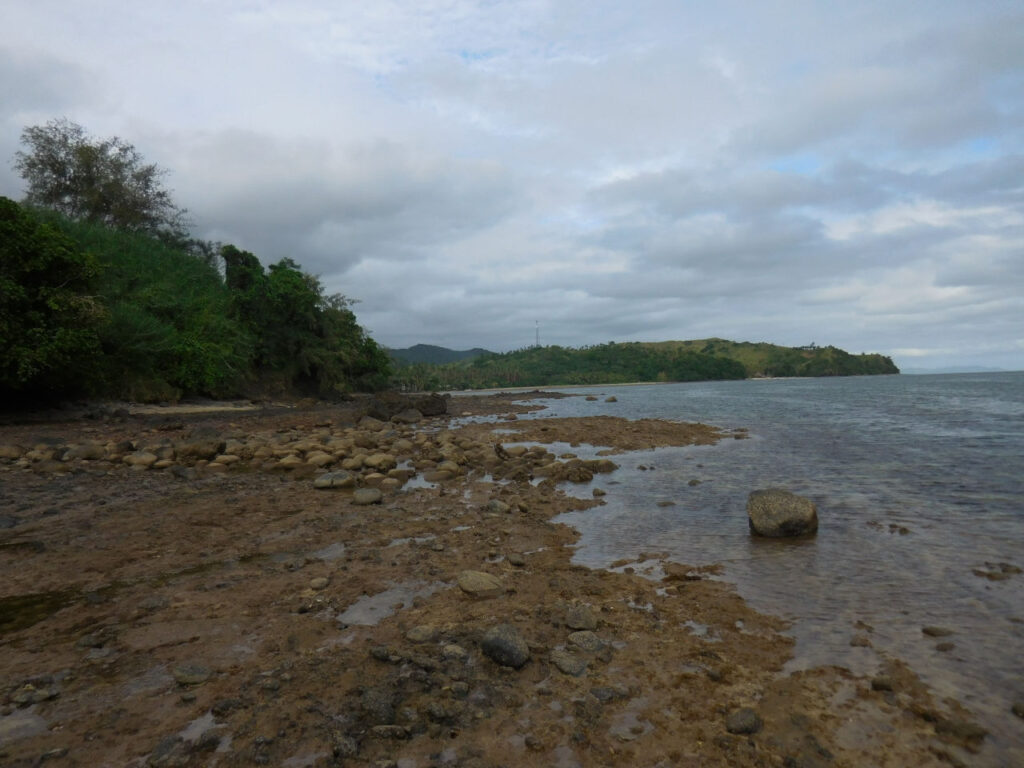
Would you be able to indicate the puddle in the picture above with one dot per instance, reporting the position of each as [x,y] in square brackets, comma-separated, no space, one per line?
[703,631]
[627,726]
[331,552]
[198,727]
[408,539]
[370,610]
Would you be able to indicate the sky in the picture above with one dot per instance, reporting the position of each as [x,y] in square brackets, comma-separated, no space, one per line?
[476,171]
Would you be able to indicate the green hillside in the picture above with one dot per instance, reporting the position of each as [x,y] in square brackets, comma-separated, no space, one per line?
[700,360]
[764,359]
[433,355]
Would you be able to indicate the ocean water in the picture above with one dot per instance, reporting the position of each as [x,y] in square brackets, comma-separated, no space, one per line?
[919,483]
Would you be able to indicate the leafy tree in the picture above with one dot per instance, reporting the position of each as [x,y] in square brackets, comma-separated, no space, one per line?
[102,181]
[48,317]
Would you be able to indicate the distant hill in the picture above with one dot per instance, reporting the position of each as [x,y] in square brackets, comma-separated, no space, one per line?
[432,355]
[761,359]
[612,363]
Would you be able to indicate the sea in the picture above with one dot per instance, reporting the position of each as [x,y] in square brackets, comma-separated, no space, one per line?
[919,485]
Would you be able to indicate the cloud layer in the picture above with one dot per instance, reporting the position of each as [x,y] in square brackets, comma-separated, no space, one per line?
[791,172]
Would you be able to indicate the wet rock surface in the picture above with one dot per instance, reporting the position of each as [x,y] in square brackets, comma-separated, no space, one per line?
[214,606]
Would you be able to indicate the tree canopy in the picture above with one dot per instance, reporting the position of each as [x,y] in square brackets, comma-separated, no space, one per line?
[49,317]
[102,181]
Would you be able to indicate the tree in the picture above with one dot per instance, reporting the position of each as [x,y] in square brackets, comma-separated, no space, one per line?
[48,318]
[102,181]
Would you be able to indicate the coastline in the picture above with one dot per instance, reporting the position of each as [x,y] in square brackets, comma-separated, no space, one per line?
[220,613]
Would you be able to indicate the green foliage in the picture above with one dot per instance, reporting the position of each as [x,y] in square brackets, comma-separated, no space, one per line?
[169,330]
[305,338]
[102,181]
[548,366]
[700,360]
[49,342]
[763,359]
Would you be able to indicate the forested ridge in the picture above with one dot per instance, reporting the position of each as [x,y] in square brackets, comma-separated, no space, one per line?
[620,363]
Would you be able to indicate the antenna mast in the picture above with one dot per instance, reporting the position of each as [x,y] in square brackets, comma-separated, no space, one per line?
[537,342]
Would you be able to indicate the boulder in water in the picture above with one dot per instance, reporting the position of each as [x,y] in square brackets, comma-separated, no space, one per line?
[776,513]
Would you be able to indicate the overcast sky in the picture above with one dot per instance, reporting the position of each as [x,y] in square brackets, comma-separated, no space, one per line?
[844,173]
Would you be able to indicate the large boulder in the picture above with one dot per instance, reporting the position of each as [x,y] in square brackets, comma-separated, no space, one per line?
[777,513]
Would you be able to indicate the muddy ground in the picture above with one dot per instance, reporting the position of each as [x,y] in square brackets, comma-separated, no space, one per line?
[177,591]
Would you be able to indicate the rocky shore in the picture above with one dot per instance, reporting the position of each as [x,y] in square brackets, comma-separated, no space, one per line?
[379,584]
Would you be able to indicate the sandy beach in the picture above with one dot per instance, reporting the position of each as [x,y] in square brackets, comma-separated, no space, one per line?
[309,586]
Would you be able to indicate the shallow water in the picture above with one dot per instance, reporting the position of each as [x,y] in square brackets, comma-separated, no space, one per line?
[919,481]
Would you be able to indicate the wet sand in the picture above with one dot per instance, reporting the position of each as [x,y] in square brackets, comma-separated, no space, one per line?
[164,606]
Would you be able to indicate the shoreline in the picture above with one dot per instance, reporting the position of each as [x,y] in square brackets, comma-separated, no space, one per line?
[235,613]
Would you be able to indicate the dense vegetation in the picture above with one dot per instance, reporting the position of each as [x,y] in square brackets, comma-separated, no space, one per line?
[612,363]
[86,309]
[763,359]
[433,355]
[102,292]
[547,366]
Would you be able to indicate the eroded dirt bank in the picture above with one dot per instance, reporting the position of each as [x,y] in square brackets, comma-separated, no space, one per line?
[177,591]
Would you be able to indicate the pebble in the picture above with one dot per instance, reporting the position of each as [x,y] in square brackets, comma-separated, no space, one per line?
[580,617]
[423,633]
[340,479]
[516,559]
[191,674]
[936,631]
[364,496]
[743,721]
[586,640]
[498,506]
[568,663]
[506,646]
[318,583]
[881,683]
[480,584]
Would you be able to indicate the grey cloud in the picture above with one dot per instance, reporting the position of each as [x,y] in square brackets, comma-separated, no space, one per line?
[331,207]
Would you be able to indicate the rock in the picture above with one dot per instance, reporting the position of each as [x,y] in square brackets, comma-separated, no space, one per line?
[320,582]
[778,513]
[611,399]
[881,683]
[201,448]
[89,451]
[599,492]
[516,559]
[945,647]
[12,452]
[1018,708]
[140,459]
[591,398]
[454,652]
[380,461]
[408,416]
[586,641]
[580,616]
[480,584]
[568,663]
[422,633]
[504,645]
[364,496]
[191,674]
[606,693]
[936,631]
[339,479]
[498,506]
[743,721]
[378,705]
